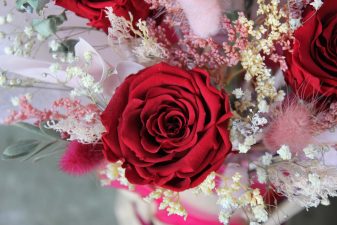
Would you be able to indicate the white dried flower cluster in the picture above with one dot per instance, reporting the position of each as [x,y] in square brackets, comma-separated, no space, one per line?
[115,172]
[261,174]
[147,49]
[266,159]
[207,186]
[79,130]
[170,202]
[6,19]
[21,42]
[315,151]
[317,4]
[54,67]
[87,84]
[252,59]
[308,183]
[235,195]
[120,27]
[54,45]
[244,134]
[284,152]
[238,93]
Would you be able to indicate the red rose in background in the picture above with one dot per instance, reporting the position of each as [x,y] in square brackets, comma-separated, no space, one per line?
[168,126]
[94,10]
[313,63]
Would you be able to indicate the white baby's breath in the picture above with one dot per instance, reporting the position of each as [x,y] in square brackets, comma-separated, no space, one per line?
[284,152]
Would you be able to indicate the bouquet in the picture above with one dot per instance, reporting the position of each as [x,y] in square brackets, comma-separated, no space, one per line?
[212,112]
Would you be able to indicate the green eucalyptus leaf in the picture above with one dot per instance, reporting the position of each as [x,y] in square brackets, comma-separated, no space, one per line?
[20,148]
[48,131]
[29,127]
[31,5]
[48,26]
[55,148]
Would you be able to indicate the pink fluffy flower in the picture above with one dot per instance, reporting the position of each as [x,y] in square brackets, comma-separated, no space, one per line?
[203,16]
[291,125]
[80,159]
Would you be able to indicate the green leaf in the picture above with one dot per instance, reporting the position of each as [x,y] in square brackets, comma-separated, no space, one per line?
[56,147]
[48,131]
[29,127]
[20,148]
[48,26]
[31,5]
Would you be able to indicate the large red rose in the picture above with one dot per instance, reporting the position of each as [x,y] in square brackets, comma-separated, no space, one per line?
[94,10]
[168,126]
[313,62]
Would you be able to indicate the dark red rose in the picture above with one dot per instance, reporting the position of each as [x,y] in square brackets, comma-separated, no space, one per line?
[94,10]
[313,63]
[168,126]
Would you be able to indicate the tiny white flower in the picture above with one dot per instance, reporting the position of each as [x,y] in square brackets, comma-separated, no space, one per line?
[224,217]
[238,93]
[15,101]
[263,106]
[40,37]
[266,159]
[29,31]
[284,152]
[261,175]
[237,177]
[9,18]
[295,23]
[250,140]
[317,4]
[9,50]
[54,45]
[260,213]
[243,148]
[310,151]
[88,56]
[325,202]
[280,96]
[54,67]
[29,97]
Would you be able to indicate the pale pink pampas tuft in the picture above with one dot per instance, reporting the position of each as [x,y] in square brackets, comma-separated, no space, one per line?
[80,159]
[203,16]
[291,125]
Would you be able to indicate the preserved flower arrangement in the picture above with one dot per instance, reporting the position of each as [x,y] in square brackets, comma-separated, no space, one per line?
[181,102]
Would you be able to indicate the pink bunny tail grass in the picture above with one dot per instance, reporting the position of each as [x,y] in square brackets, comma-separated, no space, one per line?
[291,125]
[80,159]
[203,16]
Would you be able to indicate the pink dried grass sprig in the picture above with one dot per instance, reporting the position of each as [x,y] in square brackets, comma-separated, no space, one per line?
[61,109]
[80,159]
[212,53]
[27,111]
[291,124]
[77,110]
